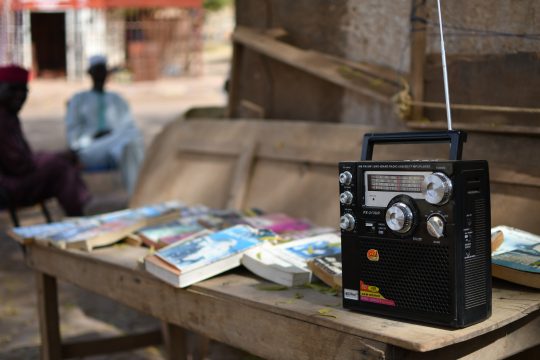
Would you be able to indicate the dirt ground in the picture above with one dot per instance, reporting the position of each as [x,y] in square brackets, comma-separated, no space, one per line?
[83,314]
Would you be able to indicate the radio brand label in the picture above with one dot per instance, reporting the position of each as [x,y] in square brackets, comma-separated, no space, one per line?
[350,294]
[373,255]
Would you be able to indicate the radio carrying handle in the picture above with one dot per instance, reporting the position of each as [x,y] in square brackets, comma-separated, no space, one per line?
[455,137]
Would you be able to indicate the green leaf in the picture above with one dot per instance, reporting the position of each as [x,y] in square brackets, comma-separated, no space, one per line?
[326,312]
[271,287]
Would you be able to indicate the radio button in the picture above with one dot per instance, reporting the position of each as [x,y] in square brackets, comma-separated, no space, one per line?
[347,222]
[346,198]
[345,178]
[437,188]
[399,217]
[435,226]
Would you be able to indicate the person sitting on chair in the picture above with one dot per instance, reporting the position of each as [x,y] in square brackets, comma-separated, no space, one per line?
[101,130]
[26,177]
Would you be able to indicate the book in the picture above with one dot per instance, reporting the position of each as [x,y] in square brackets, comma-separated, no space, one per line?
[162,235]
[286,264]
[515,256]
[187,262]
[328,269]
[264,263]
[278,223]
[89,232]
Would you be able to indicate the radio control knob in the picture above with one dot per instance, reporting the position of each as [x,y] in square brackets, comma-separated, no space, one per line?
[345,178]
[399,217]
[347,222]
[435,226]
[437,188]
[346,198]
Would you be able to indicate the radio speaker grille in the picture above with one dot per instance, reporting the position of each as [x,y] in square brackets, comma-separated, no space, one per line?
[414,276]
[475,267]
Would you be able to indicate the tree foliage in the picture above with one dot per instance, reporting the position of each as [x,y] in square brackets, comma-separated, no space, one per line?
[215,5]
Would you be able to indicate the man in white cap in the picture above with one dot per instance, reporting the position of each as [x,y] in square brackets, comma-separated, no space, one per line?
[100,128]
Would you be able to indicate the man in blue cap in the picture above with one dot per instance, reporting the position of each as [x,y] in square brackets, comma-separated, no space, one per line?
[101,130]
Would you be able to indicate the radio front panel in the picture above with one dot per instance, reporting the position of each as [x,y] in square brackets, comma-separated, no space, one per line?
[414,239]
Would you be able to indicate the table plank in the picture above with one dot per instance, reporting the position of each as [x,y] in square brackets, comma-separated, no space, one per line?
[293,309]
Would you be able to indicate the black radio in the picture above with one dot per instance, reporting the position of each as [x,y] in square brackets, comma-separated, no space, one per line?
[415,235]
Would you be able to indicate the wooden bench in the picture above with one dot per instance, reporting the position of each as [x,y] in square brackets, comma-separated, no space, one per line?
[277,166]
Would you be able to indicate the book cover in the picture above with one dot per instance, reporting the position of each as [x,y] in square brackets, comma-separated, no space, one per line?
[202,257]
[278,223]
[299,252]
[100,230]
[162,235]
[328,269]
[515,256]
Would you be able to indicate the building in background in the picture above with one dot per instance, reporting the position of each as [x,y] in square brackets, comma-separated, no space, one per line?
[54,38]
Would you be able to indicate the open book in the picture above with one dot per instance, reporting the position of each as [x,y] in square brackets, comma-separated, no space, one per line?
[515,256]
[286,264]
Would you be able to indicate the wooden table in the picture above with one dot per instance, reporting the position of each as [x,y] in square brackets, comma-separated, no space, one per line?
[291,324]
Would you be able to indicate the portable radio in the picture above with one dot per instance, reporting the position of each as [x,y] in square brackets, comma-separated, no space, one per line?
[415,235]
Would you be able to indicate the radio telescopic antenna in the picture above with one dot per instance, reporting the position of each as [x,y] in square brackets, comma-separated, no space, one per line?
[445,73]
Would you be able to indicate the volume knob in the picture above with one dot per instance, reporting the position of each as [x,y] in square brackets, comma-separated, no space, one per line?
[437,188]
[435,226]
[399,217]
[347,222]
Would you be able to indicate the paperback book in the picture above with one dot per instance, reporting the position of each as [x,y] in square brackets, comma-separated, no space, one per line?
[515,256]
[328,269]
[278,223]
[199,258]
[286,264]
[94,231]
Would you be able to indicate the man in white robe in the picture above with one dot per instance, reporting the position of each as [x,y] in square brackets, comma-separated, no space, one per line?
[100,128]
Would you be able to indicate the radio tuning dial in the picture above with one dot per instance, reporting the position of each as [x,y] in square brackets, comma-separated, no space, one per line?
[345,178]
[346,198]
[435,226]
[399,217]
[347,222]
[437,188]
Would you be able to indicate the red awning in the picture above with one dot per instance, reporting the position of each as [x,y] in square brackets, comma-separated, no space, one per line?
[70,4]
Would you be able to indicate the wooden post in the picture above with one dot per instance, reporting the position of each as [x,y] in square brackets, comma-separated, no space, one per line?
[49,324]
[174,341]
[234,80]
[418,55]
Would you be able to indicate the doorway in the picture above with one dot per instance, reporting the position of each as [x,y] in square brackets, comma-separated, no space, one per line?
[48,44]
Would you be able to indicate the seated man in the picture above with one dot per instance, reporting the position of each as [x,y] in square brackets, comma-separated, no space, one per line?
[101,130]
[27,177]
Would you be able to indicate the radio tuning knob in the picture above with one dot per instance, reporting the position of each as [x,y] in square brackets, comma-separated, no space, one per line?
[435,226]
[346,198]
[345,178]
[437,188]
[399,217]
[347,222]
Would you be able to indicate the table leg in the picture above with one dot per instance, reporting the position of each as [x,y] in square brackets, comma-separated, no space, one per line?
[174,341]
[49,324]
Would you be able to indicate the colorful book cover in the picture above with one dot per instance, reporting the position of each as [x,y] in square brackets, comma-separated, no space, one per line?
[166,234]
[278,223]
[299,252]
[202,251]
[517,249]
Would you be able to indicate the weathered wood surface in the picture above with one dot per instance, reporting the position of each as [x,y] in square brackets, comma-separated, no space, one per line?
[293,168]
[231,309]
[326,67]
